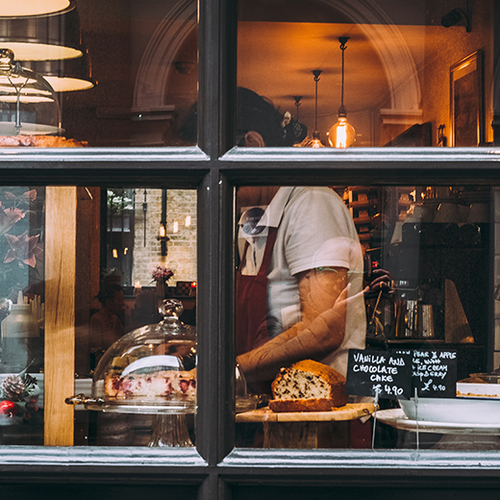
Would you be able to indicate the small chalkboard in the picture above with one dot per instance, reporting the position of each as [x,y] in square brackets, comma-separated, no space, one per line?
[386,373]
[434,373]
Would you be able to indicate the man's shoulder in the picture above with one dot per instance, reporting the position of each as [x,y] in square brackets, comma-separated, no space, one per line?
[315,196]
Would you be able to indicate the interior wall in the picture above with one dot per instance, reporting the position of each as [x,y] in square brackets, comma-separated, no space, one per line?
[448,46]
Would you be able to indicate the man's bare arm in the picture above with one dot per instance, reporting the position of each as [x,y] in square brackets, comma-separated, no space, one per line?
[323,295]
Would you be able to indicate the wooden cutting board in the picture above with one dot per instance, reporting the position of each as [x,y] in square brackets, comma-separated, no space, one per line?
[350,411]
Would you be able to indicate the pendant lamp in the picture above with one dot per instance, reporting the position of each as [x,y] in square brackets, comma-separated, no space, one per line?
[314,141]
[28,104]
[65,75]
[8,8]
[342,134]
[42,37]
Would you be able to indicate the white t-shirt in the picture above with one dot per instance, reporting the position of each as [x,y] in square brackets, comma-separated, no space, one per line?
[315,230]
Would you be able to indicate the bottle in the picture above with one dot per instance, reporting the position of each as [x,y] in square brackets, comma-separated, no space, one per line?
[20,337]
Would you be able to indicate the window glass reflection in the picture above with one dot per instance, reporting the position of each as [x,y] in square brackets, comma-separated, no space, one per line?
[98,316]
[117,73]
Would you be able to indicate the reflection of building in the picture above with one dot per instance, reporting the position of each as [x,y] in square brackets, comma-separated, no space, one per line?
[181,231]
[133,245]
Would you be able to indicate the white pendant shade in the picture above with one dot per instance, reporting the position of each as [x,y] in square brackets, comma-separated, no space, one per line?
[8,8]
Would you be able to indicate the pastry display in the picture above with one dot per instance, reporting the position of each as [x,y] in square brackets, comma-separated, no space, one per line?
[39,141]
[308,386]
[168,385]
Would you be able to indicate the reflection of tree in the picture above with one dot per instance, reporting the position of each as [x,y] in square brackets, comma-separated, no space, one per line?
[120,200]
[20,233]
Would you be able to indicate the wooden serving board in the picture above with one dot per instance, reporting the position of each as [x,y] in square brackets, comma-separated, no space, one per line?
[350,411]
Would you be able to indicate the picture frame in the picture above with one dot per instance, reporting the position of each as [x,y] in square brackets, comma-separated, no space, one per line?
[466,101]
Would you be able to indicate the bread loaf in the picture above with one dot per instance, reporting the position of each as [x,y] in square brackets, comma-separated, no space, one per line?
[308,386]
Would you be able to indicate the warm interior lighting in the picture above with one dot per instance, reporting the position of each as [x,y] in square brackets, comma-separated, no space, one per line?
[40,51]
[342,134]
[125,251]
[175,227]
[66,75]
[43,37]
[187,221]
[31,7]
[163,231]
[115,253]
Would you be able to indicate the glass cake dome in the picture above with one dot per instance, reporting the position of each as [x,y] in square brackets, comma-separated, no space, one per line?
[28,104]
[151,369]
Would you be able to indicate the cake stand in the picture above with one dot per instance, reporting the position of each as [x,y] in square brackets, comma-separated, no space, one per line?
[169,423]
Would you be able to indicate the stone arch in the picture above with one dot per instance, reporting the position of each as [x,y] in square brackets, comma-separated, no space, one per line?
[157,62]
[401,72]
[397,60]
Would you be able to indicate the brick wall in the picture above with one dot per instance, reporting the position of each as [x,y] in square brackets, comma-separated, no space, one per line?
[181,255]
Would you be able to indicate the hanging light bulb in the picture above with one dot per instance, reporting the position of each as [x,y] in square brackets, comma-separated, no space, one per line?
[314,141]
[342,134]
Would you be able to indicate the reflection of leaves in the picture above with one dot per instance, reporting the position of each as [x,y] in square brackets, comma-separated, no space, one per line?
[23,248]
[26,197]
[8,217]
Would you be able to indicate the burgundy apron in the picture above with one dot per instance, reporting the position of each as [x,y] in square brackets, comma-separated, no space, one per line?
[251,301]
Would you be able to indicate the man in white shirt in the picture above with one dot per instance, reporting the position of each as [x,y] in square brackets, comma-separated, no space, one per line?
[315,265]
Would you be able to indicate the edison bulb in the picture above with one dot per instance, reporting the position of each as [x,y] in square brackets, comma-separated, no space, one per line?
[342,134]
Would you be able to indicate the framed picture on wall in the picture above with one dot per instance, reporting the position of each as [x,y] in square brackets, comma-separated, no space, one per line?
[467,127]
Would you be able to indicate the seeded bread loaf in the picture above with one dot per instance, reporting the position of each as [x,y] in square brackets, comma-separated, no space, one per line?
[308,386]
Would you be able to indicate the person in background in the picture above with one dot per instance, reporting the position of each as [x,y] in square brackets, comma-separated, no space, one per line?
[106,326]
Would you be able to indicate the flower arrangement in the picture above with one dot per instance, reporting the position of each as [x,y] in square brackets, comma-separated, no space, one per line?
[161,274]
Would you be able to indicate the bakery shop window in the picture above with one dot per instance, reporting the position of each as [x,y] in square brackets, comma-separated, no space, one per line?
[364,317]
[98,305]
[366,76]
[117,73]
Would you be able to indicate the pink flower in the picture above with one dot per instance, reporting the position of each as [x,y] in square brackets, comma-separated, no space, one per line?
[161,273]
[23,248]
[8,217]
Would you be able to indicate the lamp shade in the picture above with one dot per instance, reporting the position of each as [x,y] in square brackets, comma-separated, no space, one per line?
[28,104]
[8,8]
[44,37]
[65,75]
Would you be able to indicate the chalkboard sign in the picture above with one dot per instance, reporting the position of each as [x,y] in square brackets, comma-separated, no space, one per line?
[388,373]
[395,374]
[434,373]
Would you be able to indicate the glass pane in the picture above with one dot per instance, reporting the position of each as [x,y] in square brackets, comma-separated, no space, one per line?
[93,309]
[381,73]
[117,73]
[349,296]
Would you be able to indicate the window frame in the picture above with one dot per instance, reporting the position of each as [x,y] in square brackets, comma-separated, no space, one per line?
[215,170]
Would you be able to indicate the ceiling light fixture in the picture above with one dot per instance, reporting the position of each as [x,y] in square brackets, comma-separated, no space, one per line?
[342,134]
[65,75]
[315,141]
[8,8]
[42,37]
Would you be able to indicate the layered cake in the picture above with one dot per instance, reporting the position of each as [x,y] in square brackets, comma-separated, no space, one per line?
[172,385]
